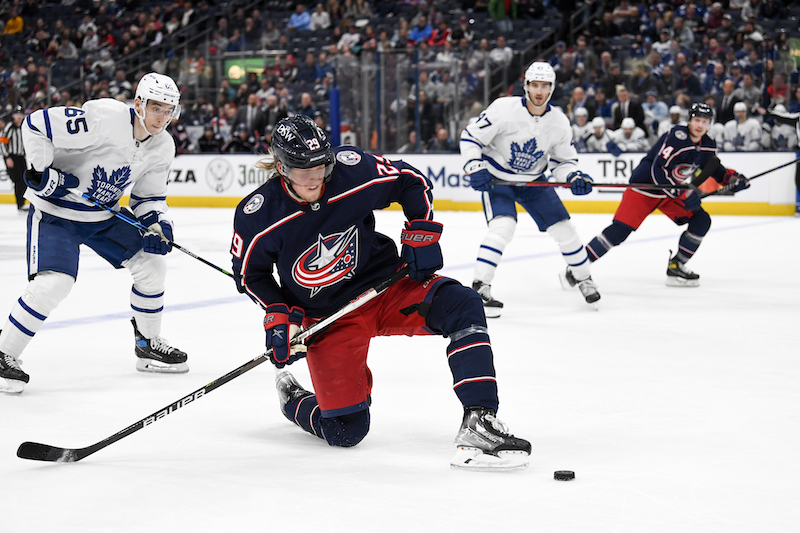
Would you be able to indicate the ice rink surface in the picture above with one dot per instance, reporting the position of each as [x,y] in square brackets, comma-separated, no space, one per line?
[678,408]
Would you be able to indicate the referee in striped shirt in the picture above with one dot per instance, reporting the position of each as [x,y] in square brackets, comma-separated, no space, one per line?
[14,153]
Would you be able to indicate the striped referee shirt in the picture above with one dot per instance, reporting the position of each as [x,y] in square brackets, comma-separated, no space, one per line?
[11,140]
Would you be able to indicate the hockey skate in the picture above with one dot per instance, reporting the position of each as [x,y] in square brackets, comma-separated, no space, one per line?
[586,286]
[484,444]
[680,276]
[289,390]
[12,377]
[156,355]
[491,307]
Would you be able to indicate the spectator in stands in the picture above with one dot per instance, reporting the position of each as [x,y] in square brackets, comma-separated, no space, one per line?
[463,31]
[501,55]
[252,34]
[67,49]
[424,53]
[442,142]
[714,20]
[794,107]
[275,111]
[613,79]
[503,12]
[748,92]
[272,34]
[579,100]
[14,24]
[626,107]
[440,35]
[251,116]
[300,19]
[668,83]
[675,119]
[350,40]
[641,80]
[583,57]
[334,9]
[601,103]
[777,92]
[411,146]
[446,94]
[654,109]
[605,27]
[422,31]
[688,82]
[306,106]
[320,19]
[307,73]
[479,57]
[725,102]
[120,86]
[555,59]
[360,10]
[445,55]
[683,34]
[714,83]
[241,142]
[236,43]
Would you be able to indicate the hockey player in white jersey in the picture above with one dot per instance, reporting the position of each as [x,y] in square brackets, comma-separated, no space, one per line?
[99,149]
[630,137]
[581,129]
[742,134]
[778,136]
[600,139]
[517,139]
[675,118]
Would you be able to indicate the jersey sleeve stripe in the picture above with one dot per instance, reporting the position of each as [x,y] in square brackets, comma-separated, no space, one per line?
[49,131]
[360,188]
[428,195]
[471,141]
[30,124]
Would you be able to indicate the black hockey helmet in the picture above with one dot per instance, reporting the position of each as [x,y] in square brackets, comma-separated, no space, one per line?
[297,142]
[702,110]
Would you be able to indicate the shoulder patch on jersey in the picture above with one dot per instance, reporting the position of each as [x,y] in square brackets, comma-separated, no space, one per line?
[681,135]
[348,157]
[253,205]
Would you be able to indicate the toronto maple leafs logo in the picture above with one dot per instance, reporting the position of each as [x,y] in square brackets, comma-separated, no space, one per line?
[333,258]
[523,159]
[108,189]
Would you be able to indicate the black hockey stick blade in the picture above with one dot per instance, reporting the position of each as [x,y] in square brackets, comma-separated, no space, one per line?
[35,451]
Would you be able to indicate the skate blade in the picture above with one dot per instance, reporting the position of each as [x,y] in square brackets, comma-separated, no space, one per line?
[492,312]
[157,367]
[562,277]
[674,281]
[11,386]
[468,458]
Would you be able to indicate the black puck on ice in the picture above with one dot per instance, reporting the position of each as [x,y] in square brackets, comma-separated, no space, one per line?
[564,475]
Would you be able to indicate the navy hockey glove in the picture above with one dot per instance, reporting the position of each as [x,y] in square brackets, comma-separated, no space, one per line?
[479,178]
[579,183]
[159,234]
[735,181]
[421,248]
[690,201]
[51,183]
[281,324]
[613,148]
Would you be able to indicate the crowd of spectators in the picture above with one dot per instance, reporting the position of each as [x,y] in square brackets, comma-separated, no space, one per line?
[639,63]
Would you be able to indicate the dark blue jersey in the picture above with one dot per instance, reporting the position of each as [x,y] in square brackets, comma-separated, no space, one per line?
[326,253]
[673,159]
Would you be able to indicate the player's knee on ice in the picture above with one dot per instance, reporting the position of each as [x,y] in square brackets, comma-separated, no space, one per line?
[346,430]
[455,307]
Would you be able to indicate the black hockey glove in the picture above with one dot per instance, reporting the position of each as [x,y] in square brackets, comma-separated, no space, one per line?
[421,249]
[579,183]
[735,181]
[690,201]
[51,183]
[159,234]
[281,324]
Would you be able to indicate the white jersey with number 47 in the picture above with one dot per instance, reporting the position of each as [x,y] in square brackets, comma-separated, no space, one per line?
[519,146]
[95,143]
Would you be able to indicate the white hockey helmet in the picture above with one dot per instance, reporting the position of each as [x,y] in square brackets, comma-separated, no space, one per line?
[627,123]
[541,71]
[599,122]
[161,88]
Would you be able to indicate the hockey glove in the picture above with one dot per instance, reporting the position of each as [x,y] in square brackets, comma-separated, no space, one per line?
[421,250]
[613,148]
[735,181]
[51,183]
[159,234]
[479,178]
[579,183]
[690,201]
[281,324]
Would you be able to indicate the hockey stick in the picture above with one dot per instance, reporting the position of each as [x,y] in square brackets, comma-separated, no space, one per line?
[727,188]
[612,185]
[45,452]
[135,223]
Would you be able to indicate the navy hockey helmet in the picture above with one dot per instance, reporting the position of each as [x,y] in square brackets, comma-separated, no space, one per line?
[297,142]
[701,110]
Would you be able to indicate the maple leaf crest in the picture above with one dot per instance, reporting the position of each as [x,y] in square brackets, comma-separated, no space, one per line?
[108,190]
[523,159]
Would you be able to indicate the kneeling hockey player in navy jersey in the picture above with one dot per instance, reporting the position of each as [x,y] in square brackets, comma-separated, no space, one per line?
[672,160]
[313,221]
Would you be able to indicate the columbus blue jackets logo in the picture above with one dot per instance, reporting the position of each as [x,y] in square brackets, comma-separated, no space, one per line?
[682,172]
[108,189]
[523,159]
[333,258]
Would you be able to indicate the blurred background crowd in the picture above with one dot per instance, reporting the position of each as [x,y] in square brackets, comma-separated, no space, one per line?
[407,75]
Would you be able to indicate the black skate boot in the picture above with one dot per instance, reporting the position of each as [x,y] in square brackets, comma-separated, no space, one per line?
[289,390]
[587,286]
[156,355]
[12,377]
[680,276]
[484,443]
[491,307]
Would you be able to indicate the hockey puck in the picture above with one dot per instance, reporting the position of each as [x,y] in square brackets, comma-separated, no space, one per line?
[564,475]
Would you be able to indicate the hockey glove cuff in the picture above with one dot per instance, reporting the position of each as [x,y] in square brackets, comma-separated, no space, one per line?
[159,235]
[690,201]
[479,178]
[281,325]
[735,181]
[51,183]
[579,183]
[421,250]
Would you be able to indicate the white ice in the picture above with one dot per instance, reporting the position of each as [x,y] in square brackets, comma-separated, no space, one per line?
[678,408]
